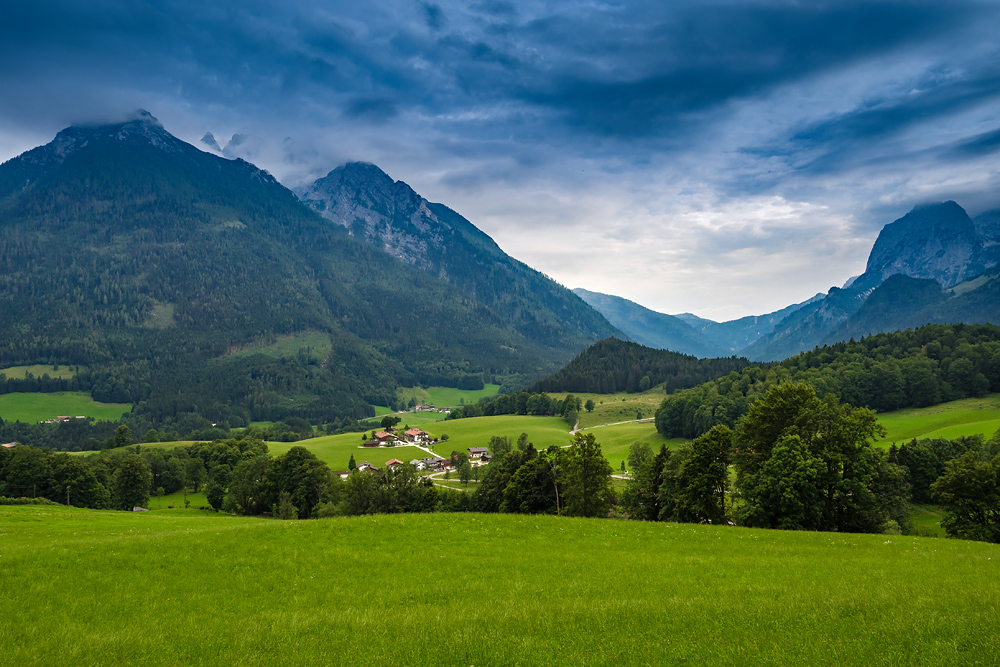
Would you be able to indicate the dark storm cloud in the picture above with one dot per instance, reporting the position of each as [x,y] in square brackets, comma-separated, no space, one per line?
[666,70]
[824,109]
[981,144]
[577,72]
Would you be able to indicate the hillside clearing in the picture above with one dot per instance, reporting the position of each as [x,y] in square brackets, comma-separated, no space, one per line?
[968,416]
[38,370]
[446,397]
[32,408]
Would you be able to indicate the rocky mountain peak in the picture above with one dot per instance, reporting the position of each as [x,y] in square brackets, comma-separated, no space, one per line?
[363,198]
[141,127]
[935,241]
[988,228]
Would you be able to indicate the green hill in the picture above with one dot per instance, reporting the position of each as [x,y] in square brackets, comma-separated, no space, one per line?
[85,587]
[613,365]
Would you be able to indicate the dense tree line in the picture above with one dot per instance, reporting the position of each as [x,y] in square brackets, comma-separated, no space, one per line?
[913,368]
[611,365]
[76,435]
[522,403]
[801,463]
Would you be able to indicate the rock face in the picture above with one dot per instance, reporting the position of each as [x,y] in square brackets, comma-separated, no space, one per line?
[363,198]
[938,242]
[439,241]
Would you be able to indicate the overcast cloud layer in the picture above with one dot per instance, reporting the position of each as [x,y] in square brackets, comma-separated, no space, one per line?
[720,158]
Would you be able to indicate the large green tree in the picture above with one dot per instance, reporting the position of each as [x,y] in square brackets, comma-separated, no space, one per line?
[703,480]
[303,476]
[641,498]
[588,486]
[836,471]
[248,492]
[130,487]
[969,491]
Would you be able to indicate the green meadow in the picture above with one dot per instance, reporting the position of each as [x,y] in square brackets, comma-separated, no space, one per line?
[446,397]
[317,345]
[38,370]
[969,416]
[543,432]
[616,439]
[611,408]
[196,500]
[82,587]
[32,407]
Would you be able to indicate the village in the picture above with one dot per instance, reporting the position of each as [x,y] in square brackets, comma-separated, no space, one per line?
[415,437]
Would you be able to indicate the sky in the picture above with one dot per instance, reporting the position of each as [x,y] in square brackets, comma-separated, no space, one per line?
[720,158]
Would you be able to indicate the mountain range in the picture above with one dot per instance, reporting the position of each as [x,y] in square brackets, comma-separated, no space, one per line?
[933,265]
[190,284]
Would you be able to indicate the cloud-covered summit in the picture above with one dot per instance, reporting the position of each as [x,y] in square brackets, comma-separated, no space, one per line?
[665,140]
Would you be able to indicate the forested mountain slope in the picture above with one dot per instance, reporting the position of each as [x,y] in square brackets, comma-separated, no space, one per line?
[888,371]
[130,252]
[435,239]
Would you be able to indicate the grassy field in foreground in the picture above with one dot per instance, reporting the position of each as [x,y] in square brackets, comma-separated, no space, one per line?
[32,408]
[100,588]
[38,370]
[947,420]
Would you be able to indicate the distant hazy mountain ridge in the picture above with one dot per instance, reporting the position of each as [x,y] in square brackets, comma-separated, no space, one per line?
[652,329]
[926,267]
[937,242]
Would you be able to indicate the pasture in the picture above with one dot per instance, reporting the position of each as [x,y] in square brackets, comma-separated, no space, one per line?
[610,408]
[83,587]
[968,416]
[38,370]
[314,344]
[32,408]
[543,432]
[163,504]
[446,397]
[615,439]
